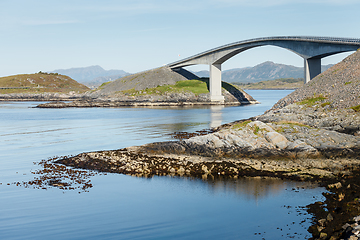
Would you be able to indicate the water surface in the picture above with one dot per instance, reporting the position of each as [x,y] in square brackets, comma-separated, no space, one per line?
[124,207]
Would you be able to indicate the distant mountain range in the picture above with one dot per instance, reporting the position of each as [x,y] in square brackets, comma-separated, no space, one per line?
[264,71]
[93,75]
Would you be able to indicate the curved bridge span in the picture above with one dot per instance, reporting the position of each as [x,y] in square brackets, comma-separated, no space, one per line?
[311,49]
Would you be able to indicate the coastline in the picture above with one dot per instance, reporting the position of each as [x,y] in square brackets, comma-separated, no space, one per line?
[313,134]
[93,99]
[114,103]
[270,88]
[259,146]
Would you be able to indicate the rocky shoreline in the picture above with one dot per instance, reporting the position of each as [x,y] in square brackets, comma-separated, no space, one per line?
[285,150]
[233,96]
[313,134]
[298,142]
[41,97]
[115,103]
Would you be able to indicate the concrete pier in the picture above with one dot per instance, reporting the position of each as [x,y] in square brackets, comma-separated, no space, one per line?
[312,68]
[215,83]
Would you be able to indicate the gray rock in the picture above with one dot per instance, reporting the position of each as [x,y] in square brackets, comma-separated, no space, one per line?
[277,139]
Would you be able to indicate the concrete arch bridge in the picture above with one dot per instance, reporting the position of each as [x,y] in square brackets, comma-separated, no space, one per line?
[311,49]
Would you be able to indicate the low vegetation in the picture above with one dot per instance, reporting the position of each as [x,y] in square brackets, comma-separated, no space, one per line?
[325,104]
[356,108]
[195,86]
[240,125]
[312,101]
[283,125]
[40,83]
[103,85]
[282,83]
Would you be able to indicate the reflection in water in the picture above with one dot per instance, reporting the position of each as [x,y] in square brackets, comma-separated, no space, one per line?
[129,207]
[185,119]
[249,188]
[256,188]
[216,116]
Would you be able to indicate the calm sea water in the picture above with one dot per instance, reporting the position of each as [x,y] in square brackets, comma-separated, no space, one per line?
[124,207]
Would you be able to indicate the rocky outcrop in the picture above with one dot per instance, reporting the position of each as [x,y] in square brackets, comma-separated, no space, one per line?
[176,99]
[256,139]
[317,116]
[273,148]
[340,85]
[42,96]
[232,95]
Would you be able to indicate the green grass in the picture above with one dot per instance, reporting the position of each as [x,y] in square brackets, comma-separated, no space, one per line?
[240,125]
[312,101]
[256,130]
[286,125]
[195,86]
[356,108]
[292,124]
[103,85]
[325,104]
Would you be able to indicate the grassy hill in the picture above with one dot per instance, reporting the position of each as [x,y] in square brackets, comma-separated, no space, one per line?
[147,79]
[40,83]
[194,86]
[282,83]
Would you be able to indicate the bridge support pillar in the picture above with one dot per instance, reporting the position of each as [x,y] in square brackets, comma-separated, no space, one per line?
[215,83]
[312,67]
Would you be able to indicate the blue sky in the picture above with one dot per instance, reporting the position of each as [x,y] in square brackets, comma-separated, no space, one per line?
[136,35]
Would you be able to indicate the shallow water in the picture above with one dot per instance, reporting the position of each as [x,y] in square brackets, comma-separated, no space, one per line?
[124,207]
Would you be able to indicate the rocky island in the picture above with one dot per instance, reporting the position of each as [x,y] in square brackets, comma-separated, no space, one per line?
[40,86]
[157,87]
[311,134]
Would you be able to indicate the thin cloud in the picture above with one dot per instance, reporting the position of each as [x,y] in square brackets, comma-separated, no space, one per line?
[266,3]
[142,6]
[47,22]
[134,7]
[153,29]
